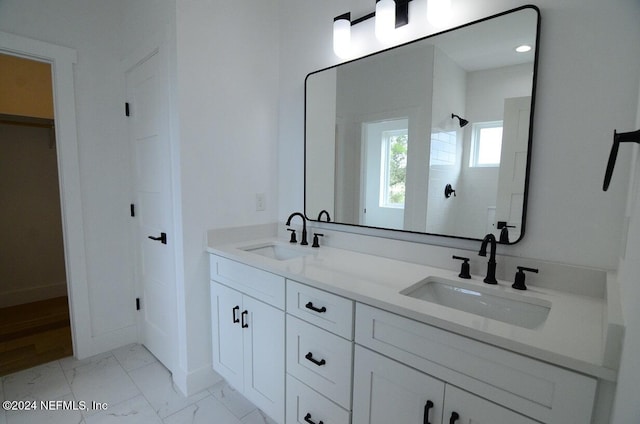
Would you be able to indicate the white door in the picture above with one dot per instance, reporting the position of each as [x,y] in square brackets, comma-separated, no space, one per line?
[378,210]
[385,391]
[226,312]
[513,163]
[264,357]
[464,408]
[148,103]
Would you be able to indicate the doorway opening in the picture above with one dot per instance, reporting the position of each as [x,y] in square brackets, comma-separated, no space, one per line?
[34,308]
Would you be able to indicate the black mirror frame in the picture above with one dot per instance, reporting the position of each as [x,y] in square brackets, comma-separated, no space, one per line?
[531,119]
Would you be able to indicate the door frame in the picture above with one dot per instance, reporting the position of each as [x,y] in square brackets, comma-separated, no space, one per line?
[62,60]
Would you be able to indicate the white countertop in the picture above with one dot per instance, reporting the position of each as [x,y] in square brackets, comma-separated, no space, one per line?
[574,334]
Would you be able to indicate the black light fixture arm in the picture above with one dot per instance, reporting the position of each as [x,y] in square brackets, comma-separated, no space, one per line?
[402,14]
[627,137]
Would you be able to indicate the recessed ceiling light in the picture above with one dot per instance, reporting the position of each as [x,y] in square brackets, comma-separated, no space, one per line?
[523,48]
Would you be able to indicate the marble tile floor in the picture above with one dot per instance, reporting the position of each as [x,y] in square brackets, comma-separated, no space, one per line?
[136,388]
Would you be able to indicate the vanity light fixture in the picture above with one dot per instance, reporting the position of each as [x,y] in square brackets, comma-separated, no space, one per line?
[439,13]
[342,35]
[389,15]
[385,19]
[462,121]
[523,48]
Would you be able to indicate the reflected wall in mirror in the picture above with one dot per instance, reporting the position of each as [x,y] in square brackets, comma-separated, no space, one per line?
[383,149]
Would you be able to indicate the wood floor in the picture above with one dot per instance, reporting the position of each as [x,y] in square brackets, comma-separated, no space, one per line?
[33,334]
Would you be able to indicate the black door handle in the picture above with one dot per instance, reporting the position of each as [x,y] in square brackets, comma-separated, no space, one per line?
[307,418]
[454,417]
[162,239]
[242,315]
[309,305]
[309,357]
[427,407]
[235,318]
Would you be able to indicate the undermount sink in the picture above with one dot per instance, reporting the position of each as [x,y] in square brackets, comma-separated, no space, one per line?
[276,251]
[512,308]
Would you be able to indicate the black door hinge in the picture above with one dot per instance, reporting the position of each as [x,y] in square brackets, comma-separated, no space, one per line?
[133,210]
[126,108]
[137,303]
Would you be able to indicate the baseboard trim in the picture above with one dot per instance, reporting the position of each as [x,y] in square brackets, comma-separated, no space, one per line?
[32,294]
[195,381]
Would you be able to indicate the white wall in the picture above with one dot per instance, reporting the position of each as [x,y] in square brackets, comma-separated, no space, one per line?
[449,93]
[626,408]
[227,97]
[30,217]
[91,27]
[320,178]
[588,58]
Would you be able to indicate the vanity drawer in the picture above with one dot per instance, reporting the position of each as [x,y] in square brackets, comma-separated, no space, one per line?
[303,402]
[542,391]
[326,310]
[321,359]
[262,285]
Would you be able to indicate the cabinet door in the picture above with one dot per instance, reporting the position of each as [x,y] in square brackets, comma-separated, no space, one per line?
[264,357]
[226,307]
[471,409]
[386,391]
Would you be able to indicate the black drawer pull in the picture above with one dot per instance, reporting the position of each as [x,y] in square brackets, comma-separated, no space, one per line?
[454,417]
[309,357]
[242,315]
[307,418]
[235,318]
[313,308]
[427,407]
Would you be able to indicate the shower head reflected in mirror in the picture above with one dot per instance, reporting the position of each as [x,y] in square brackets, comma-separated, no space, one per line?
[463,121]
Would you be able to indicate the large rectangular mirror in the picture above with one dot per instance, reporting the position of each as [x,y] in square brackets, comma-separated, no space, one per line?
[383,148]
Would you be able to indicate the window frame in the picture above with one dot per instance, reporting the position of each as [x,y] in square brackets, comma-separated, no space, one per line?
[476,142]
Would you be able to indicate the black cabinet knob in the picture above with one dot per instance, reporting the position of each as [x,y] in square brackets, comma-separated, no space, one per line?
[234,310]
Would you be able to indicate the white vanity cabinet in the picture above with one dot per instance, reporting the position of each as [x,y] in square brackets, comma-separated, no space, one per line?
[319,351]
[309,356]
[496,382]
[248,334]
[386,391]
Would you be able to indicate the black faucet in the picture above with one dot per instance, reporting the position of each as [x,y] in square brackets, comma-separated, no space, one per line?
[303,242]
[324,212]
[491,266]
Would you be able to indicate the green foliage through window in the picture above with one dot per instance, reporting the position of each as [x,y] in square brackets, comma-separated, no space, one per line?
[396,167]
